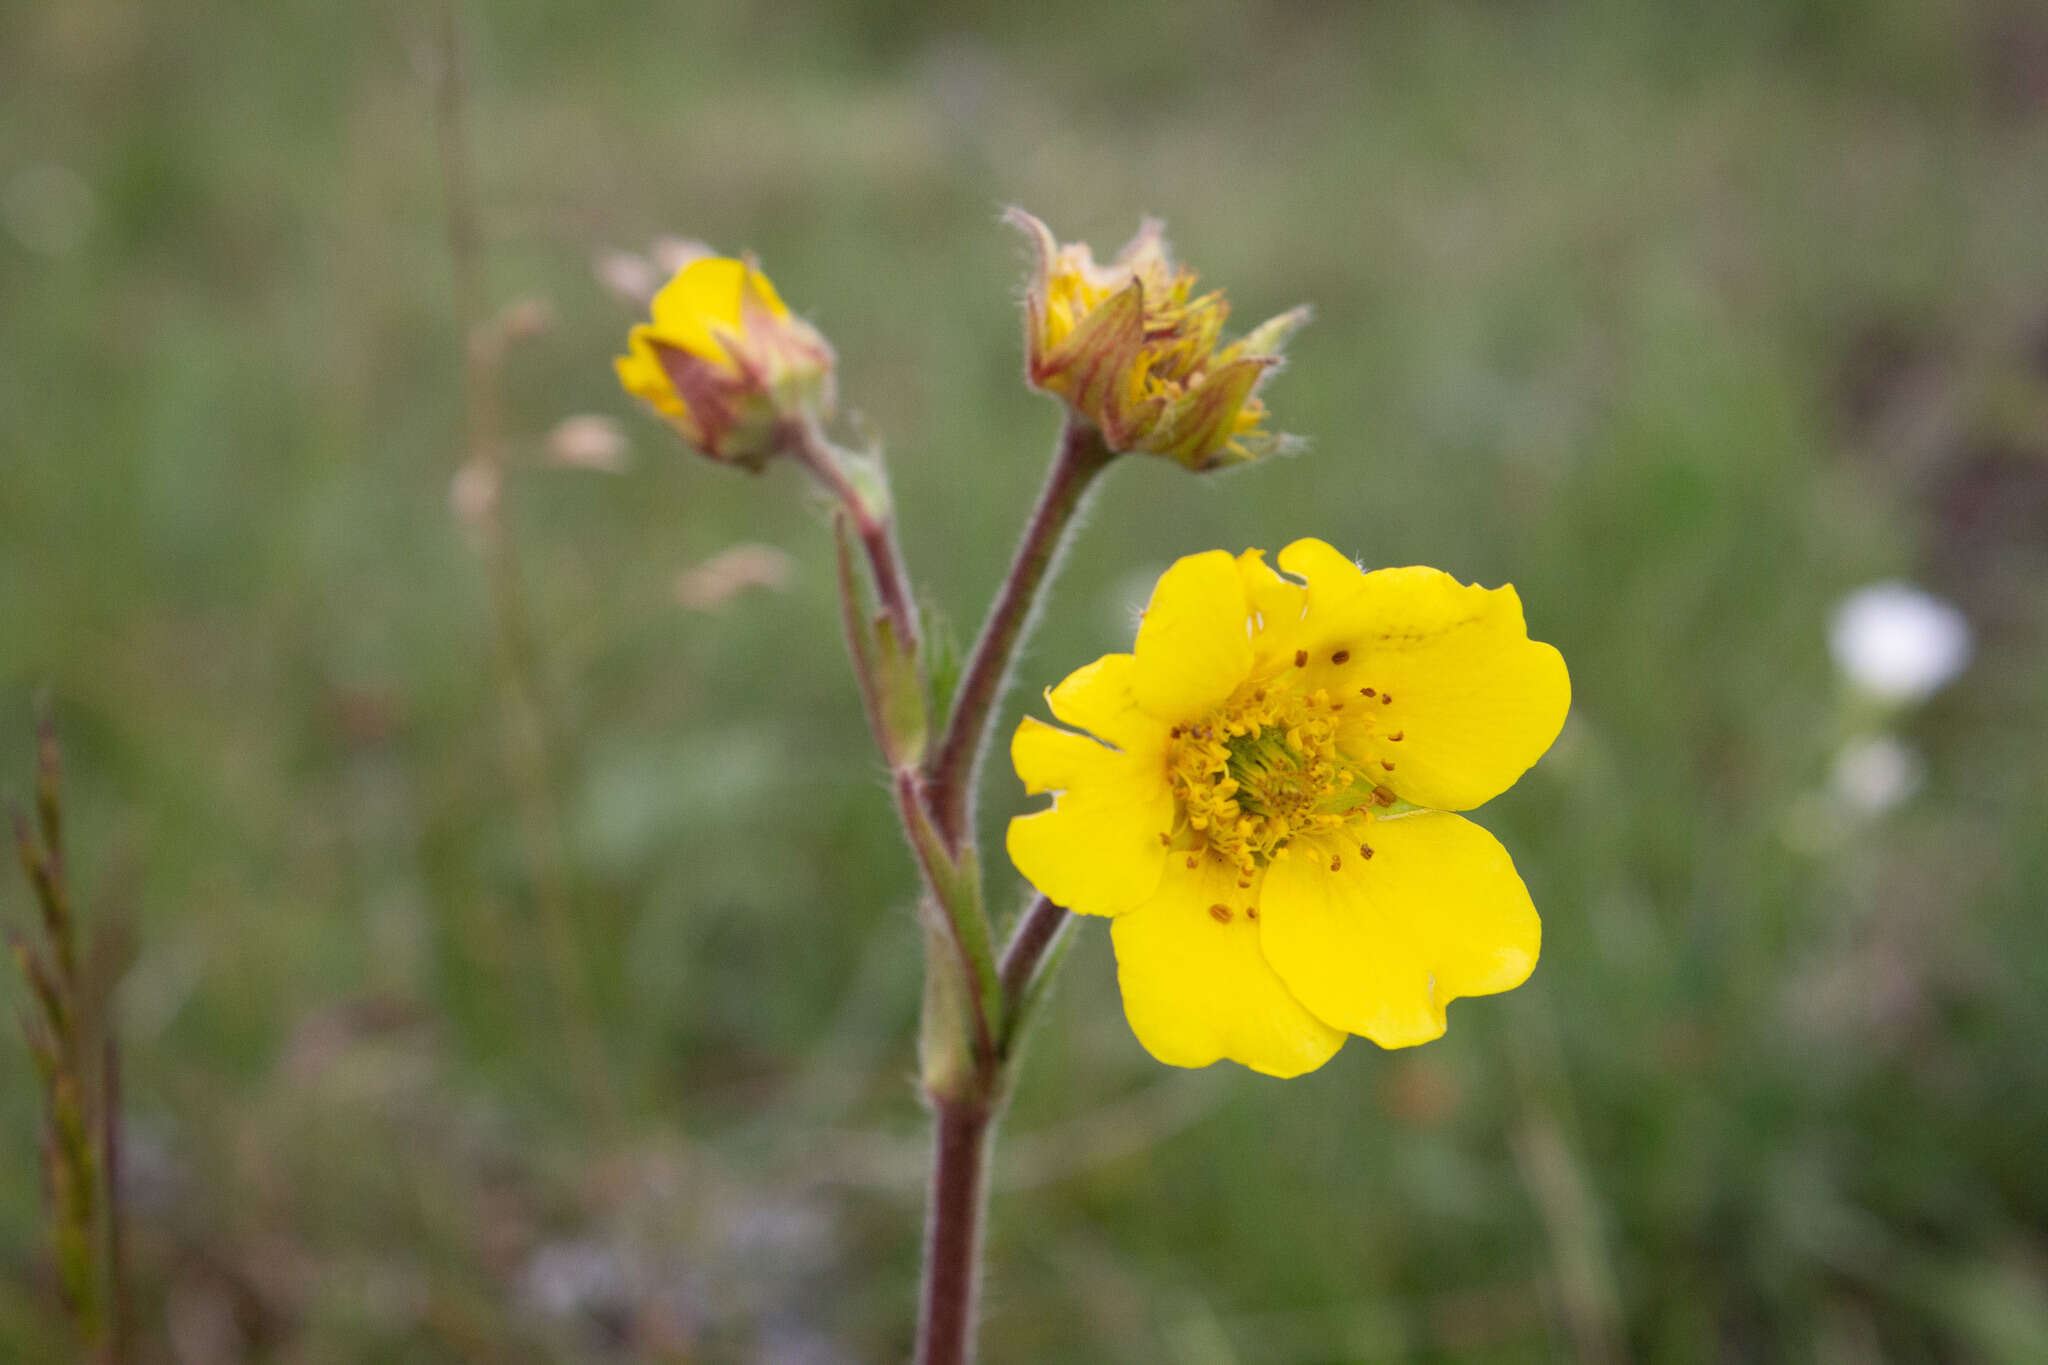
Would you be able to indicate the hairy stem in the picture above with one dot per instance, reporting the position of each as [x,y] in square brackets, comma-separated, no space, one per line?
[875,527]
[965,1123]
[963,1136]
[952,1248]
[951,774]
[1028,959]
[858,652]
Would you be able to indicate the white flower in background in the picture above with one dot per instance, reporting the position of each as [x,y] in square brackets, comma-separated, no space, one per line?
[727,574]
[1897,643]
[588,441]
[1873,774]
[628,275]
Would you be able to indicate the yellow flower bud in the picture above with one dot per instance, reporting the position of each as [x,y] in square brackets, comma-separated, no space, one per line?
[1133,349]
[725,362]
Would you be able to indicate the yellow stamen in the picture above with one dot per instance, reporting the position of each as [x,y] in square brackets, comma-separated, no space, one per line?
[1263,770]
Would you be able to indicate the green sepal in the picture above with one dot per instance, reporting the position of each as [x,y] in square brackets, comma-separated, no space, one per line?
[943,662]
[945,1035]
[865,475]
[900,698]
[957,883]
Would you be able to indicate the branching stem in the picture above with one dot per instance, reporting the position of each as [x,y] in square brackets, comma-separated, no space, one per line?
[968,1059]
[965,1125]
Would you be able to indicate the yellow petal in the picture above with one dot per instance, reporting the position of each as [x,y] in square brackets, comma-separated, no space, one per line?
[1192,647]
[1101,699]
[1276,606]
[1380,946]
[704,295]
[1196,986]
[1049,759]
[1098,850]
[641,374]
[762,289]
[1331,576]
[1475,700]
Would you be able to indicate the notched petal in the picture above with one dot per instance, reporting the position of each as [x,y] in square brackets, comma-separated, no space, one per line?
[1196,986]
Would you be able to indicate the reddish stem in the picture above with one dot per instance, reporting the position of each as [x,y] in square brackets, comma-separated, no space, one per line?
[1034,937]
[950,780]
[877,532]
[952,1249]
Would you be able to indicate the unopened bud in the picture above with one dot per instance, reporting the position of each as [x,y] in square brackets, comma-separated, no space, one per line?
[1133,349]
[725,362]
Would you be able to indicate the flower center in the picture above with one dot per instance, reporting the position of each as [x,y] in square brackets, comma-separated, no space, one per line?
[1262,770]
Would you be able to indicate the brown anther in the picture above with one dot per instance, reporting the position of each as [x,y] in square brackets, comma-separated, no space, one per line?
[1194,860]
[1174,733]
[1301,658]
[1220,913]
[1383,795]
[1365,850]
[1167,840]
[1342,656]
[1387,764]
[1395,738]
[1259,695]
[1336,706]
[1245,885]
[1387,700]
[1251,912]
[1367,692]
[1336,862]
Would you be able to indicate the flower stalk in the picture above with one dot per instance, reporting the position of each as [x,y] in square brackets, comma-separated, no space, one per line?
[964,1118]
[974,1005]
[861,491]
[1029,960]
[950,783]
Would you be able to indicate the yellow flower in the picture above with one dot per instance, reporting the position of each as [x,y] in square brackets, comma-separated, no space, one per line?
[1261,798]
[725,362]
[1131,347]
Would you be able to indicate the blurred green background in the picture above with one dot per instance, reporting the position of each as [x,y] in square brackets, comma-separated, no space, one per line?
[1685,320]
